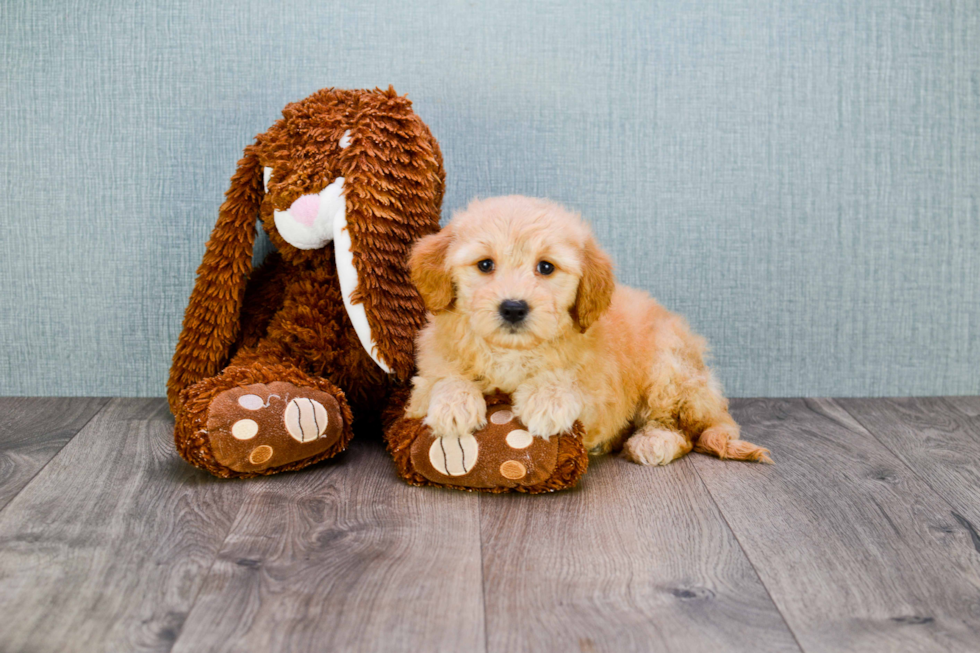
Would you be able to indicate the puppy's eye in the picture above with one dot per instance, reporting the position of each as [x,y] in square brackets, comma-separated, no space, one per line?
[485,266]
[545,268]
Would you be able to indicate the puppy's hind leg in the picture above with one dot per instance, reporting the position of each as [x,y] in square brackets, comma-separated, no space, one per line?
[652,444]
[704,417]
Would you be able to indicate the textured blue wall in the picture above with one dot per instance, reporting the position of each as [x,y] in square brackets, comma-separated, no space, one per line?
[801,179]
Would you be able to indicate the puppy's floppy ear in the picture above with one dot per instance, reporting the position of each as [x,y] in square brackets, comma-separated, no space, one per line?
[430,271]
[595,288]
[212,319]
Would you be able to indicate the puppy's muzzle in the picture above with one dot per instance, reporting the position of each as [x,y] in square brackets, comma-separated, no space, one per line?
[513,311]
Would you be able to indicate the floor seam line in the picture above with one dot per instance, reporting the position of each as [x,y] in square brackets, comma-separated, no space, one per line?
[898,456]
[483,580]
[748,558]
[207,574]
[101,409]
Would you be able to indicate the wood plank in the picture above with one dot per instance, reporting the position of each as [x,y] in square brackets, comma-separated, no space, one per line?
[938,438]
[345,559]
[857,552]
[33,430]
[969,406]
[635,559]
[106,548]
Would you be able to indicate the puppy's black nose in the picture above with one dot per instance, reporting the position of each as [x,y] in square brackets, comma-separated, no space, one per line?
[513,310]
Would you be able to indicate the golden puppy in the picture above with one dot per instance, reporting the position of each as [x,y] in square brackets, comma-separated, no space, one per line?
[522,300]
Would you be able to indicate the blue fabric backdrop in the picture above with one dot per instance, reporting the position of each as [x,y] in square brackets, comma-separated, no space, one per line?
[799,178]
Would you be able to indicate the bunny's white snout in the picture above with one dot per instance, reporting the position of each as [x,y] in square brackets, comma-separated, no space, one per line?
[309,222]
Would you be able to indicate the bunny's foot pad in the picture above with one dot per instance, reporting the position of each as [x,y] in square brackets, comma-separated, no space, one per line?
[259,426]
[501,457]
[244,423]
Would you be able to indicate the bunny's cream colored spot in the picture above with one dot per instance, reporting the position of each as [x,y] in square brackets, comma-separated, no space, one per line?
[260,454]
[454,456]
[519,439]
[305,419]
[251,402]
[502,417]
[513,470]
[244,429]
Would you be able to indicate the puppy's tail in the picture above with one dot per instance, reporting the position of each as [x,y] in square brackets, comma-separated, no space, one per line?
[722,443]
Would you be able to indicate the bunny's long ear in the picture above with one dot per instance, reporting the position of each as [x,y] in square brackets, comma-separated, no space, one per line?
[394,187]
[211,322]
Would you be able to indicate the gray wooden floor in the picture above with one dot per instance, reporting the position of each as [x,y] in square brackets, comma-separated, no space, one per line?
[863,537]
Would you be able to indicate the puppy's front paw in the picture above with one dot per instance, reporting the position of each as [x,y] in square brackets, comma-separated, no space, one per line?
[457,408]
[548,409]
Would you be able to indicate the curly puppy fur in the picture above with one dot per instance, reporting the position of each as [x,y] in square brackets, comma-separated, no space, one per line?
[587,348]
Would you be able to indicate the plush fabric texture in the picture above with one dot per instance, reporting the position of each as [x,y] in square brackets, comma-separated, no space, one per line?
[254,427]
[287,321]
[505,461]
[193,440]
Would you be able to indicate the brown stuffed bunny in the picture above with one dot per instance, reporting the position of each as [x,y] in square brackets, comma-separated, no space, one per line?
[272,367]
